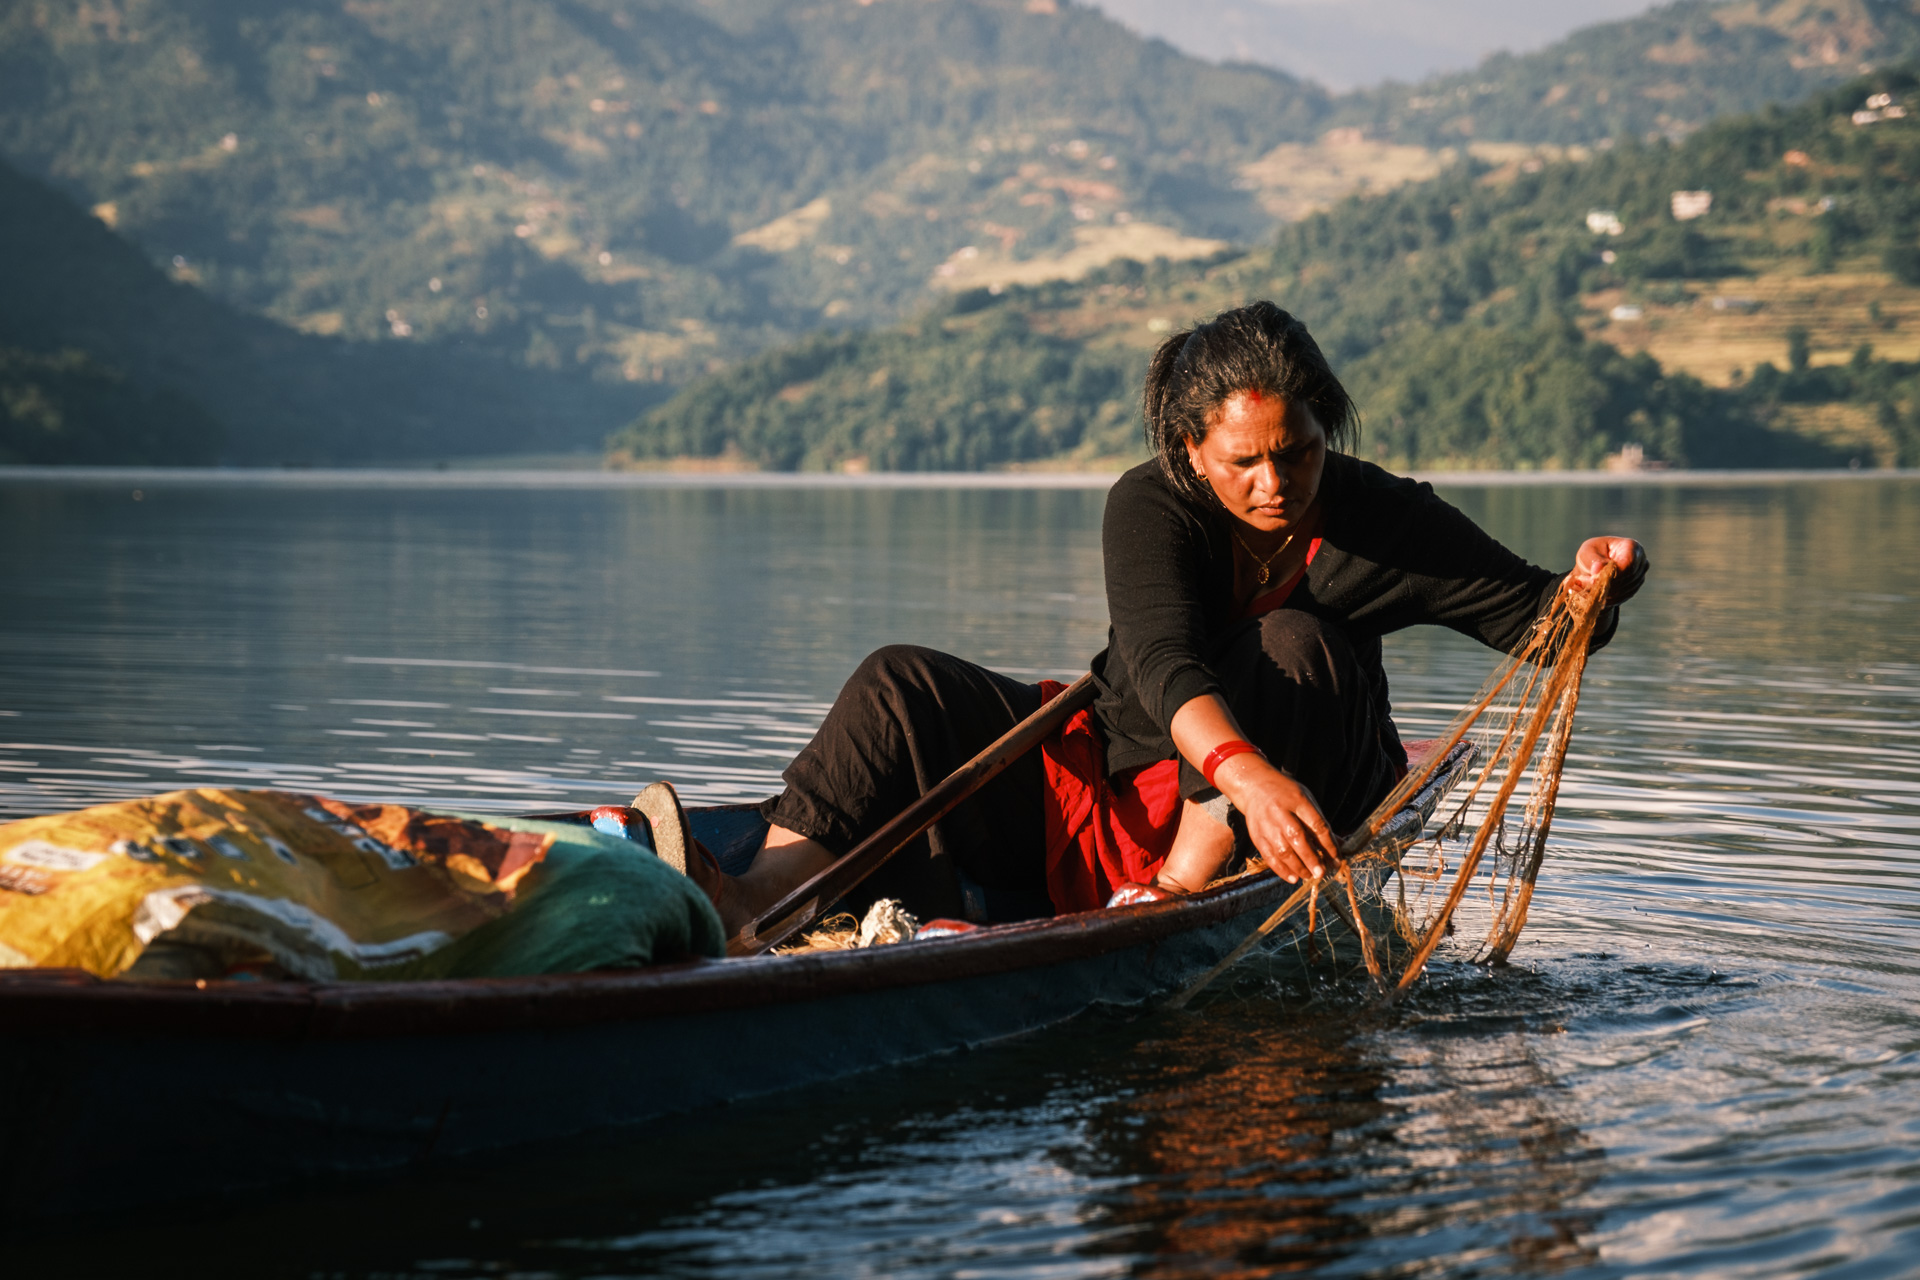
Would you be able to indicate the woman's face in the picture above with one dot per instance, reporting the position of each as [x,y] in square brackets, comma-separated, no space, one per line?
[1263,457]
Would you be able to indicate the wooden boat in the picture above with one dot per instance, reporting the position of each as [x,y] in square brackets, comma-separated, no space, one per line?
[145,1092]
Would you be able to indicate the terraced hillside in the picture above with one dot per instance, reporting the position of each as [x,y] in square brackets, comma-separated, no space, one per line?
[634,189]
[1666,72]
[585,204]
[103,359]
[1533,313]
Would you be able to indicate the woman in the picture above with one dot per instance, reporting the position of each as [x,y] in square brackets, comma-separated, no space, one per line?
[1251,570]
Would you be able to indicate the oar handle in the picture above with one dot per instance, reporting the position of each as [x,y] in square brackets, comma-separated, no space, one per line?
[806,904]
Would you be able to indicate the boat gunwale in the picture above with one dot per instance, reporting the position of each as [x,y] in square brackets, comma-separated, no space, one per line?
[72,1000]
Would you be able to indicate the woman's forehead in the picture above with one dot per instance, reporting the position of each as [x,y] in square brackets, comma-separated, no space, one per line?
[1262,419]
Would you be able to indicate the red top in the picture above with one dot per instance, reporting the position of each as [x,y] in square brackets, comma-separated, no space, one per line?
[1105,832]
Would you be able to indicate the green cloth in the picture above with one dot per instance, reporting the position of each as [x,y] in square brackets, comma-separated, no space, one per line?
[595,902]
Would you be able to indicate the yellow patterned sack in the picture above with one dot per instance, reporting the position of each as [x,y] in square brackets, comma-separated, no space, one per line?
[219,883]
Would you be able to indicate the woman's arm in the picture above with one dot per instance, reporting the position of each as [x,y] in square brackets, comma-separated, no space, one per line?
[1283,818]
[1160,582]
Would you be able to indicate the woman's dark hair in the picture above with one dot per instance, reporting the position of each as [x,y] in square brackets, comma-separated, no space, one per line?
[1257,347]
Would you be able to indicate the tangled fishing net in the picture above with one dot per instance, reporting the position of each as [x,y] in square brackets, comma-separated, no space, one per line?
[1520,724]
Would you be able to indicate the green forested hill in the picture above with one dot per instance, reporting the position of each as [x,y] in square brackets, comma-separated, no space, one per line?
[959,390]
[1666,72]
[515,222]
[67,407]
[632,190]
[103,359]
[1479,318]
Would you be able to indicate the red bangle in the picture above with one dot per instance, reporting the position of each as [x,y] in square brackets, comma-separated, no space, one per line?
[1224,752]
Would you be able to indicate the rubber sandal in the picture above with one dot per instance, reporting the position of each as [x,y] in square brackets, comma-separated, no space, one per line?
[673,839]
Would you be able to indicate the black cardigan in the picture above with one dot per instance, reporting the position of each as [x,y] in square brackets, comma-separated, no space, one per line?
[1392,555]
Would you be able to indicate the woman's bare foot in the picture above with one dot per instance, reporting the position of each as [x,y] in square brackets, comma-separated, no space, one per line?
[1201,846]
[719,888]
[785,862]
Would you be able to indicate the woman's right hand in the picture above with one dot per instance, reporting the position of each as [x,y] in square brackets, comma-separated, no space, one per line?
[1283,819]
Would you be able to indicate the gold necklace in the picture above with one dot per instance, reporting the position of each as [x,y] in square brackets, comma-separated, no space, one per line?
[1263,572]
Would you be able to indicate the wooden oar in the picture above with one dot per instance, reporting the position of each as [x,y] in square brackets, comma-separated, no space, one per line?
[806,904]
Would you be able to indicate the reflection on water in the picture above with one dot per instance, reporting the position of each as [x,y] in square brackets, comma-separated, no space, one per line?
[494,649]
[1702,1062]
[1315,1147]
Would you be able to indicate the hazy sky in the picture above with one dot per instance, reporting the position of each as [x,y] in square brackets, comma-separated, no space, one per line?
[1346,43]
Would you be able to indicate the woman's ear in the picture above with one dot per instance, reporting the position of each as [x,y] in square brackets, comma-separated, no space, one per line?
[1193,459]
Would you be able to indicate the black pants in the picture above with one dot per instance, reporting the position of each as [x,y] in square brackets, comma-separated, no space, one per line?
[906,719]
[909,716]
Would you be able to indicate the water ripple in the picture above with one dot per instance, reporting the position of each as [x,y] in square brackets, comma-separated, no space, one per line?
[1702,1062]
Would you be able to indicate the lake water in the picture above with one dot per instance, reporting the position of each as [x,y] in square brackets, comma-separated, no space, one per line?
[1704,1062]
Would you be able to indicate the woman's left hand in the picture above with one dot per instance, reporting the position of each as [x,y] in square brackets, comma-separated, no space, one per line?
[1626,556]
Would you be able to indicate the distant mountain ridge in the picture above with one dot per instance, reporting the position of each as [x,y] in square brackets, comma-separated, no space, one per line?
[104,359]
[1666,72]
[556,212]
[1353,44]
[588,185]
[1532,314]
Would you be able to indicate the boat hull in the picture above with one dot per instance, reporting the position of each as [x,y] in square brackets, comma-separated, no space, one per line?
[139,1094]
[200,1110]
